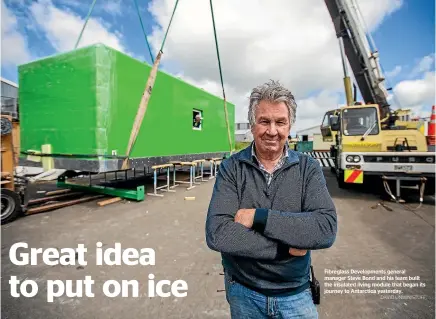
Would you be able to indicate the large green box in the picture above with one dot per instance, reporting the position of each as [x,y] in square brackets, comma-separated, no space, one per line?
[83,104]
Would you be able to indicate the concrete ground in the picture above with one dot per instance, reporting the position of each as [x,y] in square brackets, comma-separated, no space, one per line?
[367,239]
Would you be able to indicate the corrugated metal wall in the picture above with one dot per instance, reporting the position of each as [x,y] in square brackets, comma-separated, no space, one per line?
[8,91]
[9,97]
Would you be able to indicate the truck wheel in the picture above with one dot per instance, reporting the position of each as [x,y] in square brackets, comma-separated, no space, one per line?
[340,178]
[11,206]
[430,187]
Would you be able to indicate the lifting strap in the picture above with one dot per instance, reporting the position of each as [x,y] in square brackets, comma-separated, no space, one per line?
[150,81]
[140,20]
[142,109]
[84,25]
[222,82]
[146,96]
[143,31]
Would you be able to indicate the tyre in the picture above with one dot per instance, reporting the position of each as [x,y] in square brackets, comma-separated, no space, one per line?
[334,159]
[339,172]
[340,179]
[11,206]
[430,187]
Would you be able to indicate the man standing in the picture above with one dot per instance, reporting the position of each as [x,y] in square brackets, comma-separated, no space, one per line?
[270,206]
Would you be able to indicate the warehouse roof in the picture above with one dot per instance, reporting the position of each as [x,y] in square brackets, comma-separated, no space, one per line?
[9,82]
[309,130]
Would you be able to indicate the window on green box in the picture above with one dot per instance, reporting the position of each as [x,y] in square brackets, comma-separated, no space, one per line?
[197,119]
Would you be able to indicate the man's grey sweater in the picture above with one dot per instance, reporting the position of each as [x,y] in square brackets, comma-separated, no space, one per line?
[294,211]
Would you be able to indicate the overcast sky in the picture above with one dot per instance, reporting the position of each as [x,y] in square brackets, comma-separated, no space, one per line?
[288,40]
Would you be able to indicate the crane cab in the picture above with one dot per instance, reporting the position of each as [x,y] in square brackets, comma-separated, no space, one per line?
[360,121]
[352,121]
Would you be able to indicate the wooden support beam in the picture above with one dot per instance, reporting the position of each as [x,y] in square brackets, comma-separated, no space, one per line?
[188,164]
[162,166]
[62,204]
[109,201]
[60,191]
[199,161]
[49,198]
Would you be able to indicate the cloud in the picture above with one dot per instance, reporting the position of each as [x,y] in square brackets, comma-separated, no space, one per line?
[310,111]
[112,7]
[394,72]
[290,41]
[62,28]
[419,95]
[424,65]
[374,12]
[418,91]
[14,45]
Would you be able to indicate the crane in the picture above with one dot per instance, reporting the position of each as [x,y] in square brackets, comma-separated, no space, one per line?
[369,140]
[363,59]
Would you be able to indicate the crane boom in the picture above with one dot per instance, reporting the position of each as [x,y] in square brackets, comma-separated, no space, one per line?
[364,62]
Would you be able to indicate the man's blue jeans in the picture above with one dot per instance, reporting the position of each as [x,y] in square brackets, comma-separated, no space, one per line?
[249,304]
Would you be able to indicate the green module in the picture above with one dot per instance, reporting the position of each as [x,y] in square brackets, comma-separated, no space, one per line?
[77,109]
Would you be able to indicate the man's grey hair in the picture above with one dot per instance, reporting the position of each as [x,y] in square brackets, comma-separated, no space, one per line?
[273,92]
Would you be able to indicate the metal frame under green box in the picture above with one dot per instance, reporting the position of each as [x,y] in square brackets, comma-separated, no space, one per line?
[82,104]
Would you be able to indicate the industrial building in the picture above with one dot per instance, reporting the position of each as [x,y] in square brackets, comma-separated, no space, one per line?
[313,134]
[9,98]
[243,132]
